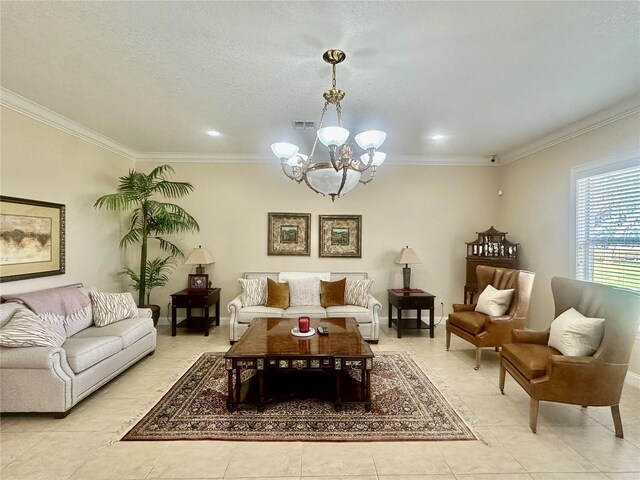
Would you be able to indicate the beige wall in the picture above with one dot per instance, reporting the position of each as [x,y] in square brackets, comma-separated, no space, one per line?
[535,207]
[433,209]
[43,163]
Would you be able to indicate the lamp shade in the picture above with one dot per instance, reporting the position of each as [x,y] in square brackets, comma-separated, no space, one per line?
[333,135]
[295,160]
[284,149]
[370,139]
[406,256]
[378,158]
[199,256]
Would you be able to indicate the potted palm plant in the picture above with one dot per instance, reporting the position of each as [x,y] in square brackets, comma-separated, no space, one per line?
[151,219]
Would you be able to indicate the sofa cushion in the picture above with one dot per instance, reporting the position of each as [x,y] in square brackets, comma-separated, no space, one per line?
[306,311]
[131,330]
[529,358]
[574,334]
[304,291]
[356,292]
[361,314]
[112,307]
[83,353]
[277,294]
[26,329]
[332,293]
[246,314]
[472,322]
[254,291]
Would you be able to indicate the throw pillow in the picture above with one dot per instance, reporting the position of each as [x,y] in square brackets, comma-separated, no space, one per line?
[332,293]
[304,291]
[356,292]
[26,329]
[254,291]
[494,302]
[576,335]
[277,294]
[112,307]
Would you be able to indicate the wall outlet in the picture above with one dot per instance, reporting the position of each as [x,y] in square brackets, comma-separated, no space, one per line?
[441,301]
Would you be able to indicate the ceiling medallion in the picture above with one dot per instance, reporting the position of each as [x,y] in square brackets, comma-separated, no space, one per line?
[343,172]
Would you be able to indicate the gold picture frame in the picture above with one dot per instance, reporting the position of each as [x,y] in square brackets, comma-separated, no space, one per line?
[32,239]
[340,236]
[289,234]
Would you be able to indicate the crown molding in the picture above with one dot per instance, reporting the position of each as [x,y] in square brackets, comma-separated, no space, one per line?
[618,111]
[33,110]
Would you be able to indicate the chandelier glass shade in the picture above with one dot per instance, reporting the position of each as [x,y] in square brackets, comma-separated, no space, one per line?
[344,170]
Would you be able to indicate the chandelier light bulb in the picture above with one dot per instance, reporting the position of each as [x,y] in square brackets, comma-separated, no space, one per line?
[370,139]
[284,149]
[333,135]
[378,158]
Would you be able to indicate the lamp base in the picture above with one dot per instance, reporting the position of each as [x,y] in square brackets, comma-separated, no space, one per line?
[199,270]
[406,278]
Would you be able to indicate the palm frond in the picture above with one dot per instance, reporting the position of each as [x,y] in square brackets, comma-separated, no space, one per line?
[167,246]
[160,172]
[173,189]
[116,201]
[132,236]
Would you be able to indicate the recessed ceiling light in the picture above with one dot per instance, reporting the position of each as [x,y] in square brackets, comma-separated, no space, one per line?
[213,133]
[437,137]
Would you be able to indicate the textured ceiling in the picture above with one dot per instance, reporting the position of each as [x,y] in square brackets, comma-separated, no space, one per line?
[155,76]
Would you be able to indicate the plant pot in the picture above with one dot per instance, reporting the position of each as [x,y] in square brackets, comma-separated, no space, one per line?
[155,313]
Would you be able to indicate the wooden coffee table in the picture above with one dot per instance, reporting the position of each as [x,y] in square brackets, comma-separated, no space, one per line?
[320,366]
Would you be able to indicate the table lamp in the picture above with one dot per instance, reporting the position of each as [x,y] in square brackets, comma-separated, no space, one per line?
[407,256]
[200,256]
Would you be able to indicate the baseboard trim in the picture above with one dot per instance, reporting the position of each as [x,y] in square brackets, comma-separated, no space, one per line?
[167,321]
[632,379]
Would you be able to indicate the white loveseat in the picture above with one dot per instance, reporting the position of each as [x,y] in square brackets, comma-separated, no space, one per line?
[367,318]
[54,379]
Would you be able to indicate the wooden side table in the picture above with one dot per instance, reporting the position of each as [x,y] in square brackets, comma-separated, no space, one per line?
[186,299]
[411,301]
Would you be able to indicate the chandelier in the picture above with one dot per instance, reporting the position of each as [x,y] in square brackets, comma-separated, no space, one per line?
[344,171]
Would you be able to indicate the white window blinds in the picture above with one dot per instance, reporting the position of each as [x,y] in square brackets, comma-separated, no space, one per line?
[608,225]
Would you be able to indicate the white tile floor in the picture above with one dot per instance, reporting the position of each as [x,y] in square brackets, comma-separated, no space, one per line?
[571,444]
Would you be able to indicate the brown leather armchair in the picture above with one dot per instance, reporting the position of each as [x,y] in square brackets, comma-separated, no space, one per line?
[484,330]
[595,380]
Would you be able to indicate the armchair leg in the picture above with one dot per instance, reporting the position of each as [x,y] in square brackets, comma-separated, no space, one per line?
[503,374]
[533,414]
[478,358]
[617,421]
[448,340]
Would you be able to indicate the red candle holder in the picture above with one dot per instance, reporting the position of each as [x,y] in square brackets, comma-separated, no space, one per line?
[303,324]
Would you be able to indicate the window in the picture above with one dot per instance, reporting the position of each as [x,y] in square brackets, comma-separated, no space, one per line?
[607,223]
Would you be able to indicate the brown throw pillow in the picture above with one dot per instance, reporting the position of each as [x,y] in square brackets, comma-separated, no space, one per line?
[277,294]
[332,293]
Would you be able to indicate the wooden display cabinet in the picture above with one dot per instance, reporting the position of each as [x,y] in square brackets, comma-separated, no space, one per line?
[490,248]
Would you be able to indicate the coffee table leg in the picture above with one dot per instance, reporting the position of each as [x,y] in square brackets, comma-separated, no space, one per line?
[230,403]
[367,405]
[260,391]
[238,386]
[338,403]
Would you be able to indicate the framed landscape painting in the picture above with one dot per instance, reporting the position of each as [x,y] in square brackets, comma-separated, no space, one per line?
[31,239]
[289,234]
[340,236]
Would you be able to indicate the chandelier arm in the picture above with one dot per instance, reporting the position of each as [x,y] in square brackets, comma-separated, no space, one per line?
[344,179]
[372,174]
[296,172]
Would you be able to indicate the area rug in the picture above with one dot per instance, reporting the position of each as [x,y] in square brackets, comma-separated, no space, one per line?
[405,406]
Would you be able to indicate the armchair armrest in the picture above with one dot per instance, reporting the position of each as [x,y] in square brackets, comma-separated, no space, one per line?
[529,336]
[144,312]
[463,307]
[374,304]
[234,305]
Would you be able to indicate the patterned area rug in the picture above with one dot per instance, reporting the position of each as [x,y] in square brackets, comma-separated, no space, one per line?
[406,406]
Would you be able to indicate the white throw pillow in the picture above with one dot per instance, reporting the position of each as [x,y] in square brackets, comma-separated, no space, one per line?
[576,335]
[26,329]
[494,302]
[304,291]
[112,307]
[254,291]
[356,292]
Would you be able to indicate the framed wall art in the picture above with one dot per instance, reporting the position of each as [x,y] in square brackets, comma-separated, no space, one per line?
[31,239]
[289,234]
[341,236]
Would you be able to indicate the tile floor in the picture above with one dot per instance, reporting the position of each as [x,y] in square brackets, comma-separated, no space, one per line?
[571,444]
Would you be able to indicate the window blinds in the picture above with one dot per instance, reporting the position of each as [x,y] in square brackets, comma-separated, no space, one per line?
[608,227]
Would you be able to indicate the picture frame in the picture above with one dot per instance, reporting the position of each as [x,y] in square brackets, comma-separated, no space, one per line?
[198,282]
[340,236]
[32,239]
[289,234]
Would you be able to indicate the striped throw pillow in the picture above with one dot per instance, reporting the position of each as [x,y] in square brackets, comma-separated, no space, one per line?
[112,307]
[254,291]
[356,292]
[26,329]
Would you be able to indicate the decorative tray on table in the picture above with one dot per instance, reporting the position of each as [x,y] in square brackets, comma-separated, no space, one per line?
[297,333]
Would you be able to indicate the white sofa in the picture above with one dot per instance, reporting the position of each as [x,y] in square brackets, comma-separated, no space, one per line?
[50,379]
[367,318]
